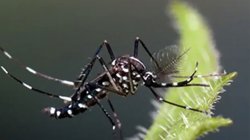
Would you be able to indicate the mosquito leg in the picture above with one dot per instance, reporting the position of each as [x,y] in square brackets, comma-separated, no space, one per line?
[64,82]
[85,73]
[118,122]
[114,113]
[32,71]
[200,76]
[136,45]
[110,120]
[107,45]
[107,115]
[83,76]
[116,125]
[150,82]
[161,99]
[65,98]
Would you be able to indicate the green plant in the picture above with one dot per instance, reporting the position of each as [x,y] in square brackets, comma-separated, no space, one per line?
[172,122]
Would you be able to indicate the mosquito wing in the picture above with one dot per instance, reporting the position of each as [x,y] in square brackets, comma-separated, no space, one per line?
[168,59]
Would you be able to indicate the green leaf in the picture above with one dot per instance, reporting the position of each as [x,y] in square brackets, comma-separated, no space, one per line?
[171,122]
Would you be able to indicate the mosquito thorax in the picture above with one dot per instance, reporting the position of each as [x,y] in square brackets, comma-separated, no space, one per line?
[124,61]
[127,72]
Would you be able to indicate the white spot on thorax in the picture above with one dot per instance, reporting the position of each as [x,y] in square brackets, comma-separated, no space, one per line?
[98,89]
[125,78]
[134,73]
[135,82]
[118,75]
[126,91]
[105,83]
[90,96]
[125,85]
[125,70]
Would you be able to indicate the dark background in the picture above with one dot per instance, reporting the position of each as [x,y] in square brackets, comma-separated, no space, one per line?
[57,37]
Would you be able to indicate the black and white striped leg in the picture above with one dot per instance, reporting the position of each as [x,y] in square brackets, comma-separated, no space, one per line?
[201,76]
[90,65]
[83,77]
[161,99]
[115,124]
[64,82]
[136,45]
[117,120]
[107,115]
[184,83]
[85,72]
[65,98]
[110,51]
[32,71]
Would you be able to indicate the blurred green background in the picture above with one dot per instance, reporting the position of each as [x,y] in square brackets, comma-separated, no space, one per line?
[57,37]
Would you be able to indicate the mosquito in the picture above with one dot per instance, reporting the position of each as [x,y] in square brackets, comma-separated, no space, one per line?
[121,76]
